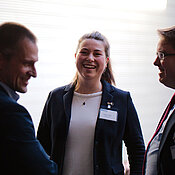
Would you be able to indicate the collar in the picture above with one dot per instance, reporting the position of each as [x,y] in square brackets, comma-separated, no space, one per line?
[9,91]
[69,87]
[107,90]
[107,86]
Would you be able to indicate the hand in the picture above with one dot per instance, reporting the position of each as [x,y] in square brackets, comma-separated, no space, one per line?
[126,168]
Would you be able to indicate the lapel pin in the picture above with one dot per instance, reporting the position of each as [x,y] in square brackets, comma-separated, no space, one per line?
[109,104]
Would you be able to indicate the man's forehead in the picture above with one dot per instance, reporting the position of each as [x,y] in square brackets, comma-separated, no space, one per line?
[165,44]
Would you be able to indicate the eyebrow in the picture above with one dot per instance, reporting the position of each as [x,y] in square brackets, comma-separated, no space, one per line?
[162,51]
[94,50]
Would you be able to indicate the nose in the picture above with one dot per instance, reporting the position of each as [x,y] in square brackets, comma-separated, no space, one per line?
[90,57]
[156,61]
[33,72]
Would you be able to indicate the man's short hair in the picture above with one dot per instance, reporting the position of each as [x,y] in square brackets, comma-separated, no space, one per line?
[10,34]
[168,34]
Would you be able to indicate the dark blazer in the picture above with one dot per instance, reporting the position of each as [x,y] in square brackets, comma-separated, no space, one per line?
[54,126]
[20,151]
[166,163]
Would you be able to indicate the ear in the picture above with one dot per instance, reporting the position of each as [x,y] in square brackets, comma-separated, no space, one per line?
[75,55]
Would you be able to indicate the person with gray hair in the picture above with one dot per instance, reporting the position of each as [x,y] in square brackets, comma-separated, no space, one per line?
[20,151]
[160,154]
[84,123]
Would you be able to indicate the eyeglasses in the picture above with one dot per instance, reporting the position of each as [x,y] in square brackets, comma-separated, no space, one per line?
[162,55]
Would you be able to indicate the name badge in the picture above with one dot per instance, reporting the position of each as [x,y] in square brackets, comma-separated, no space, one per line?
[108,115]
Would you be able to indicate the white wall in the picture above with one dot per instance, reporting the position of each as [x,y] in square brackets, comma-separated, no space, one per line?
[131,32]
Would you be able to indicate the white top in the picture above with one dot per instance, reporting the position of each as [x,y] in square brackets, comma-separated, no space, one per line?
[78,158]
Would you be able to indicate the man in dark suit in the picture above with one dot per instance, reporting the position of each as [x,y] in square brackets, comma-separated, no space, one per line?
[20,151]
[160,154]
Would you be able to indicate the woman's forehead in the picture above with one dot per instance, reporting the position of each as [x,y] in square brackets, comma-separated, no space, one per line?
[92,43]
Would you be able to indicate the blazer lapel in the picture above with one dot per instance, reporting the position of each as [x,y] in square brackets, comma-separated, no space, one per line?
[167,129]
[106,95]
[168,126]
[67,100]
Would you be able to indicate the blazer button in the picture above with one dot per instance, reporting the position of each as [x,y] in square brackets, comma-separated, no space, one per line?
[97,166]
[96,143]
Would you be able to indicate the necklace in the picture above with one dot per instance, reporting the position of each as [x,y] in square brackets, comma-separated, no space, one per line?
[82,99]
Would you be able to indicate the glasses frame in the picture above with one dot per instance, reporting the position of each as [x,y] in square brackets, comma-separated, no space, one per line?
[162,55]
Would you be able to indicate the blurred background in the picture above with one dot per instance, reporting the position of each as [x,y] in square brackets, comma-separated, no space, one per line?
[131,28]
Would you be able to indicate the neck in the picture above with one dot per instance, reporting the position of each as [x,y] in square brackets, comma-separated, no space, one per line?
[89,87]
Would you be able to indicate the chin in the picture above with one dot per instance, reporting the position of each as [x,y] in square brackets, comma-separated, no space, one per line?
[164,82]
[161,80]
[22,90]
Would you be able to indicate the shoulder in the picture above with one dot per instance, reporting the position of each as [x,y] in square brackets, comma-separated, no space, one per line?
[120,91]
[114,90]
[10,108]
[62,90]
[15,117]
[9,105]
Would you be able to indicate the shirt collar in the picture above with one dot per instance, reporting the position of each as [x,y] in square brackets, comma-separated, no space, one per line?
[10,91]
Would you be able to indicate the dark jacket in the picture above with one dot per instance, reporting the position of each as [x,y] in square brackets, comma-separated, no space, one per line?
[165,158]
[20,152]
[166,162]
[54,126]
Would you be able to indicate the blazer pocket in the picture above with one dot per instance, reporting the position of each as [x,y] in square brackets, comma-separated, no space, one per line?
[119,170]
[107,130]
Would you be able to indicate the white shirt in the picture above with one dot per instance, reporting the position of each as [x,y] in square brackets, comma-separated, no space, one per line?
[78,158]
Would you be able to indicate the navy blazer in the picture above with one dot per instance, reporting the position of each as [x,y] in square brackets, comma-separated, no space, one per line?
[165,158]
[20,151]
[166,162]
[54,126]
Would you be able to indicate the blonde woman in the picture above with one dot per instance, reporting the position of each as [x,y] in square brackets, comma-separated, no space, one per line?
[83,123]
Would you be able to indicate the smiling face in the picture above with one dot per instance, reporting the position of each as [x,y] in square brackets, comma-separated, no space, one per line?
[17,71]
[167,65]
[91,60]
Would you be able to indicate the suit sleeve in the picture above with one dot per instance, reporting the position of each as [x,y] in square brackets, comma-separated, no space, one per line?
[22,152]
[133,139]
